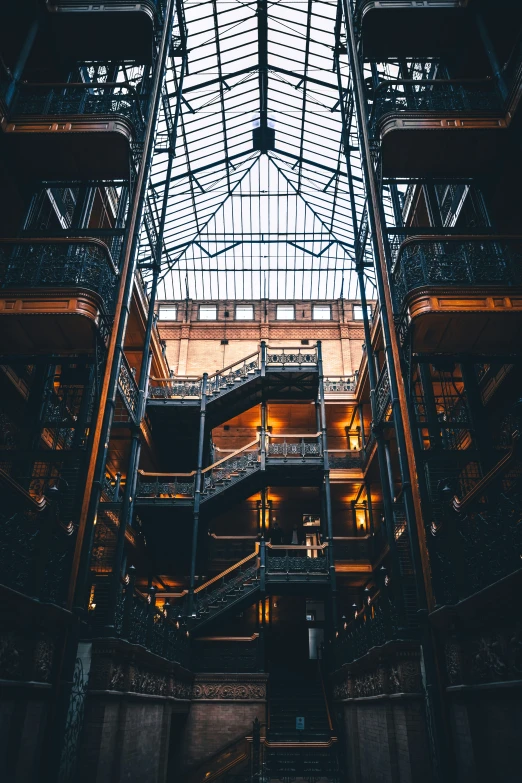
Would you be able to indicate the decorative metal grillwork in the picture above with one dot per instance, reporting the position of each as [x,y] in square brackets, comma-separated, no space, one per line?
[296,561]
[339,460]
[177,387]
[81,98]
[289,356]
[382,394]
[340,384]
[41,264]
[289,447]
[374,625]
[233,376]
[128,389]
[233,584]
[158,487]
[229,471]
[480,261]
[430,95]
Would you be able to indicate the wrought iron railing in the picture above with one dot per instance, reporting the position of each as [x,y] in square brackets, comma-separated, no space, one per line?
[234,375]
[140,621]
[174,388]
[456,261]
[291,356]
[345,459]
[230,469]
[227,587]
[476,541]
[58,263]
[382,394]
[128,388]
[106,5]
[435,95]
[294,446]
[374,624]
[81,98]
[297,559]
[165,485]
[341,384]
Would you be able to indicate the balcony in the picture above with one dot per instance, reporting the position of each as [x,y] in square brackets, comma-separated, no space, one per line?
[443,128]
[54,293]
[460,293]
[74,130]
[114,29]
[411,28]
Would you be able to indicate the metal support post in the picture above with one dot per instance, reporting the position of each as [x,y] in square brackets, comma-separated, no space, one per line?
[263,442]
[197,495]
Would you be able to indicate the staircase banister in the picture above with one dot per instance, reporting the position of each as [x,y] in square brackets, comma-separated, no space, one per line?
[298,546]
[234,538]
[229,456]
[228,570]
[164,475]
[228,638]
[234,364]
[172,378]
[299,435]
[483,484]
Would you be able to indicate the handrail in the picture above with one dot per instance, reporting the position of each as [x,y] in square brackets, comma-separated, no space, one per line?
[229,366]
[229,456]
[478,489]
[297,546]
[228,638]
[241,538]
[298,435]
[385,82]
[154,473]
[228,570]
[304,348]
[61,240]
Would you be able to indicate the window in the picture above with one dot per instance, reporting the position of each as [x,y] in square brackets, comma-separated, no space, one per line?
[321,312]
[285,312]
[244,312]
[168,312]
[358,312]
[207,312]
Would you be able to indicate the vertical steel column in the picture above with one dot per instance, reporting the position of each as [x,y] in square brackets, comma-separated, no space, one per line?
[96,469]
[197,495]
[263,436]
[22,59]
[412,504]
[326,483]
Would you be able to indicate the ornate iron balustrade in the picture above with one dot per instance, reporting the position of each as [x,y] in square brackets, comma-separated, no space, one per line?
[291,356]
[240,579]
[344,459]
[382,394]
[165,485]
[128,389]
[294,446]
[435,95]
[340,384]
[173,388]
[234,375]
[373,625]
[292,762]
[226,655]
[304,560]
[58,263]
[81,98]
[457,261]
[36,553]
[108,5]
[140,621]
[231,469]
[475,547]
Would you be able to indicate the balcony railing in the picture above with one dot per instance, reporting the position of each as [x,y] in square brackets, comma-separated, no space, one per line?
[294,446]
[456,261]
[288,560]
[345,459]
[374,624]
[435,95]
[81,98]
[128,389]
[230,469]
[234,375]
[58,263]
[341,384]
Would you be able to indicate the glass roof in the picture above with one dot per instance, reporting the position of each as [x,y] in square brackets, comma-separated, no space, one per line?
[258,197]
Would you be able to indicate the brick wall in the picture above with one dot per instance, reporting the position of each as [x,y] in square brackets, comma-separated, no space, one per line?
[194,346]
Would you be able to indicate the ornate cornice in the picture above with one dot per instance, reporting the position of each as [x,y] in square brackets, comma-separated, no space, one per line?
[394,670]
[230,687]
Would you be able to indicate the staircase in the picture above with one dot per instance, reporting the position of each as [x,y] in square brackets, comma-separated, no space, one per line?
[298,696]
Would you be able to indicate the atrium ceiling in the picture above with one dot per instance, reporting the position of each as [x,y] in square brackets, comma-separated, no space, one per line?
[258,200]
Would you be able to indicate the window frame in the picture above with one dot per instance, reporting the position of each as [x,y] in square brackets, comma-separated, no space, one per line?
[288,306]
[251,317]
[359,307]
[324,306]
[172,308]
[208,307]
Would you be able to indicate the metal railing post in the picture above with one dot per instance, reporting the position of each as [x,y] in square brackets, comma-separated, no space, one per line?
[263,358]
[197,495]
